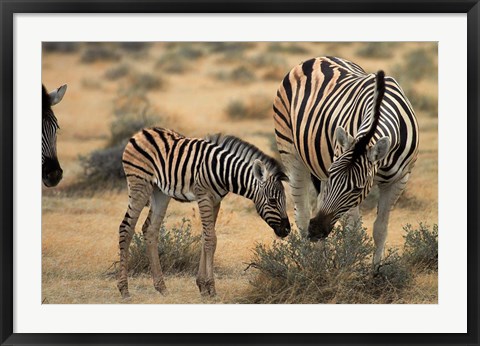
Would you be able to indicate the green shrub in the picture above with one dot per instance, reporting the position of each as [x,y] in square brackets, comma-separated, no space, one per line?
[421,247]
[178,249]
[337,270]
[376,49]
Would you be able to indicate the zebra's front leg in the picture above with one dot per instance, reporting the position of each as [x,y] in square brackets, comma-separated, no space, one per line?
[301,184]
[389,194]
[150,230]
[205,278]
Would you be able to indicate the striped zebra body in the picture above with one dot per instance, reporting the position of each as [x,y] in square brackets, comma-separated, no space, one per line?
[51,171]
[161,164]
[339,130]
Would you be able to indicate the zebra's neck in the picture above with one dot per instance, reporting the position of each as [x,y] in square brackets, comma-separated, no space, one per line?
[237,175]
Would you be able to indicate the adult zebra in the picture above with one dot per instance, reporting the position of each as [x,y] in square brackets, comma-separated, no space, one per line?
[161,164]
[341,130]
[51,171]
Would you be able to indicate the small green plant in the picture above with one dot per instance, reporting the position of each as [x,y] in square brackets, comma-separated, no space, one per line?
[336,270]
[178,249]
[421,246]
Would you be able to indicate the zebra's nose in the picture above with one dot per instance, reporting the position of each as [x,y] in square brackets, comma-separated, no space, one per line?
[320,227]
[54,177]
[283,229]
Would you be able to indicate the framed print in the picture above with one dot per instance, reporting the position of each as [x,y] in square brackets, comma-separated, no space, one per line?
[240,173]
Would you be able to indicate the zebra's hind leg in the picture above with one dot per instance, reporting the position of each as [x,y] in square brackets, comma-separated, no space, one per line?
[139,194]
[388,196]
[150,230]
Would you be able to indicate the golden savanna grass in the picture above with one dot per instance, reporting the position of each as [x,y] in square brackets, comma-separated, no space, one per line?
[196,88]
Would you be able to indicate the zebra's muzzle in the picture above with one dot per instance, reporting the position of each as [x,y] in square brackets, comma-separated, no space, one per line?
[283,229]
[320,227]
[52,173]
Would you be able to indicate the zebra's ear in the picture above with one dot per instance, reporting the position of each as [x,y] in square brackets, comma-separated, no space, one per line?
[57,95]
[259,171]
[343,138]
[379,150]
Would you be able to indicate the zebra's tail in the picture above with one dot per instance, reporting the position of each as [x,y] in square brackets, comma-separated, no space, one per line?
[377,101]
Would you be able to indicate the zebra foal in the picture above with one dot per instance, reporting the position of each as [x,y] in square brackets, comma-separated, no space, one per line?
[51,171]
[339,130]
[161,164]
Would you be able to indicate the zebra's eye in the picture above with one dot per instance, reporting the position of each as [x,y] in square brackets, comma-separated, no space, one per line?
[272,200]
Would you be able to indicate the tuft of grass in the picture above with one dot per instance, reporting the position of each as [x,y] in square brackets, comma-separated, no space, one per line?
[337,270]
[421,247]
[255,107]
[178,250]
[376,49]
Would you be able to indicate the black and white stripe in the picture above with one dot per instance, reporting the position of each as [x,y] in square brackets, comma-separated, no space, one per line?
[161,164]
[341,130]
[51,171]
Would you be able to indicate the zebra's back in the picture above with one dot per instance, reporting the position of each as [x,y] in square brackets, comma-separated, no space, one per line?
[166,159]
[323,93]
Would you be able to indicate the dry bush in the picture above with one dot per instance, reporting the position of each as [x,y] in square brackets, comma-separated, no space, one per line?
[421,247]
[146,82]
[338,270]
[117,72]
[178,249]
[178,59]
[422,102]
[255,107]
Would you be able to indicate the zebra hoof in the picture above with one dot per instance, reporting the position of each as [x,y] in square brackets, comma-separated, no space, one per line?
[160,287]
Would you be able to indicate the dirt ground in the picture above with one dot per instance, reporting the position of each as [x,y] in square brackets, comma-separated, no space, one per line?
[80,233]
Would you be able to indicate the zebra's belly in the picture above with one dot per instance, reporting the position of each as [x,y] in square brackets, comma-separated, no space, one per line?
[181,194]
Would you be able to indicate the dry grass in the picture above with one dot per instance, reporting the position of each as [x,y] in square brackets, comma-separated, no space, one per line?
[80,235]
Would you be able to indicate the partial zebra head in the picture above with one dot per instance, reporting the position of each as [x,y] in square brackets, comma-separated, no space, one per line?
[51,171]
[352,172]
[269,199]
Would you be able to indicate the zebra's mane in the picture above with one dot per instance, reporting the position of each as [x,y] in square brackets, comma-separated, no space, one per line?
[245,149]
[47,113]
[361,145]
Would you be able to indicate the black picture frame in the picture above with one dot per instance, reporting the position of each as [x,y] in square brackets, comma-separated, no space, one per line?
[10,7]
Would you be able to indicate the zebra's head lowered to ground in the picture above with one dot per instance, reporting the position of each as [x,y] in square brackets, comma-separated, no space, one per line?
[269,198]
[351,174]
[51,171]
